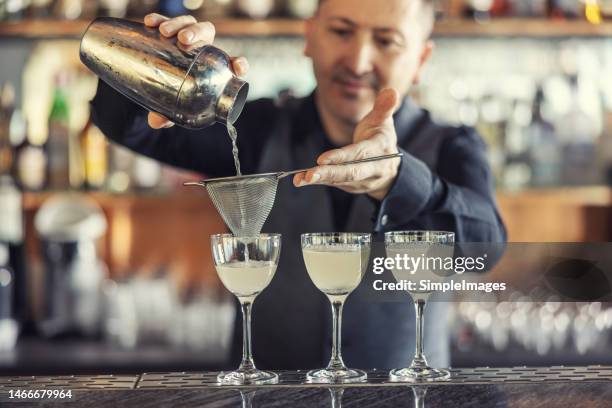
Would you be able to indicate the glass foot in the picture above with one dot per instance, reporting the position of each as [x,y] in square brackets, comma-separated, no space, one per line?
[424,374]
[336,376]
[247,377]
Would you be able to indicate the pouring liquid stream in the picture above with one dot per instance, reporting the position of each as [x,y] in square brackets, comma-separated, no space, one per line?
[233,134]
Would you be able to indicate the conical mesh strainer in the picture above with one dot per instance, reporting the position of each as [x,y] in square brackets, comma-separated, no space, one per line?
[245,202]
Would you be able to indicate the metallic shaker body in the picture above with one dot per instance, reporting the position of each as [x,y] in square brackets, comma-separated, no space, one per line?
[192,87]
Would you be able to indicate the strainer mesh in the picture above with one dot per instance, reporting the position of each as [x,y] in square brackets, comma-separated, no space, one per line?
[244,204]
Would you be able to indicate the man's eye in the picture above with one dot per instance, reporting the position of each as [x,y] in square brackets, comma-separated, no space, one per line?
[341,32]
[385,42]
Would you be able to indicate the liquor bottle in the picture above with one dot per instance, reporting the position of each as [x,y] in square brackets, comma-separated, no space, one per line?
[570,9]
[94,154]
[9,328]
[7,102]
[11,212]
[31,166]
[58,137]
[606,8]
[530,8]
[545,147]
[12,236]
[491,126]
[579,132]
[485,9]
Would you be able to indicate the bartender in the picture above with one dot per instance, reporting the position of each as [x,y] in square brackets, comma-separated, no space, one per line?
[366,55]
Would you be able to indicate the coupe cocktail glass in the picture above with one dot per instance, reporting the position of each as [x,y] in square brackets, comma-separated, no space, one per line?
[246,265]
[432,246]
[336,263]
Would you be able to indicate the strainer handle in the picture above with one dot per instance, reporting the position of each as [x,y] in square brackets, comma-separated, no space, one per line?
[369,159]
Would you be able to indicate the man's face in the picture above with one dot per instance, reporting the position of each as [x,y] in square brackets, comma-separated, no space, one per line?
[359,47]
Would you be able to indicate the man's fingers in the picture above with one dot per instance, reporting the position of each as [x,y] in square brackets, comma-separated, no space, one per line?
[332,175]
[355,151]
[203,32]
[174,25]
[157,121]
[154,19]
[384,106]
[240,66]
[298,179]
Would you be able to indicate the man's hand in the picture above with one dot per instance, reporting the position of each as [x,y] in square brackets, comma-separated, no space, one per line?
[190,33]
[374,136]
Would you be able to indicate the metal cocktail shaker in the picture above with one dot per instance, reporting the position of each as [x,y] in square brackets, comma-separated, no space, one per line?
[192,87]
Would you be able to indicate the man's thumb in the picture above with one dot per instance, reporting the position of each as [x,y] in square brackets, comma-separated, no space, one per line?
[384,106]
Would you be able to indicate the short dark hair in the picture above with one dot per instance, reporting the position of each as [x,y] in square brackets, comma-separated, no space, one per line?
[428,15]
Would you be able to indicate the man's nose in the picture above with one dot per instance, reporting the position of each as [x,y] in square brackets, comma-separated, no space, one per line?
[360,56]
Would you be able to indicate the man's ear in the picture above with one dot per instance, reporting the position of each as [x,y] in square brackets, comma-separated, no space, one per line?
[428,48]
[309,27]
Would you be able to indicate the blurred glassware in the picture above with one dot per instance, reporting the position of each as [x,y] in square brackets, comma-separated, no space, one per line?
[94,157]
[544,146]
[12,235]
[113,8]
[149,310]
[59,135]
[543,327]
[68,9]
[171,8]
[210,9]
[255,9]
[146,172]
[301,8]
[69,226]
[140,8]
[9,328]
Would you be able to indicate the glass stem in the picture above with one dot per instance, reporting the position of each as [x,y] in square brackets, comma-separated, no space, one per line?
[419,359]
[336,397]
[247,353]
[336,358]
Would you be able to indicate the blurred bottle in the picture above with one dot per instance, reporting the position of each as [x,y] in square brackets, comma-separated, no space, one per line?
[255,9]
[11,211]
[69,225]
[592,11]
[517,171]
[605,145]
[491,125]
[59,135]
[68,9]
[12,237]
[529,8]
[13,9]
[172,8]
[485,9]
[40,8]
[578,132]
[113,8]
[7,107]
[94,154]
[606,8]
[301,8]
[545,148]
[210,9]
[121,160]
[140,8]
[566,8]
[146,173]
[8,326]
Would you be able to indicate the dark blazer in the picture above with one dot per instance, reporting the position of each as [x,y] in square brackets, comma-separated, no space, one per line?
[444,183]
